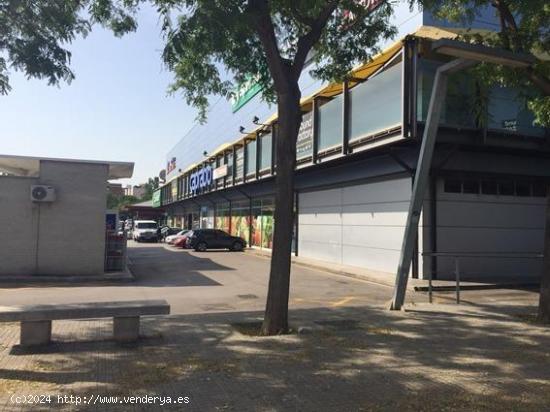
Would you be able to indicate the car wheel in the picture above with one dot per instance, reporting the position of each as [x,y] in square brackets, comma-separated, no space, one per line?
[237,247]
[201,247]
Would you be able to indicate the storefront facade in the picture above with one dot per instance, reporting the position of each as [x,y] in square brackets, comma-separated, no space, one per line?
[356,156]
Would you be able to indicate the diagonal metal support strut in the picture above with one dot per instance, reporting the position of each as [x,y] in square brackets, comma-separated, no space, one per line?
[421,177]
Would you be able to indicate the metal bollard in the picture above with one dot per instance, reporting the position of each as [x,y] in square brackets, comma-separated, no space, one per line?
[430,290]
[457,275]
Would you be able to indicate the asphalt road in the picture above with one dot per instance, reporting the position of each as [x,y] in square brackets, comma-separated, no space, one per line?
[213,281]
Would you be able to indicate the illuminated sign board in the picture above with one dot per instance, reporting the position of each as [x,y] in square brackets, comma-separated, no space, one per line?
[200,179]
[220,172]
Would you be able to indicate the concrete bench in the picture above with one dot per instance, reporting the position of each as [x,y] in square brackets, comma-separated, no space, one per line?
[36,320]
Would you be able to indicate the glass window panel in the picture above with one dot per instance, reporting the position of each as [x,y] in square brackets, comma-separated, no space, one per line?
[330,123]
[376,104]
[506,188]
[523,188]
[239,163]
[470,186]
[458,104]
[240,220]
[506,108]
[539,189]
[508,112]
[222,216]
[453,186]
[489,187]
[250,157]
[265,151]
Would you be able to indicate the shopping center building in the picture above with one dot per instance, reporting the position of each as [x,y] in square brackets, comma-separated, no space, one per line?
[357,153]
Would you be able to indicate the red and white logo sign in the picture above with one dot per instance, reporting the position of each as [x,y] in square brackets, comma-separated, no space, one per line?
[369,5]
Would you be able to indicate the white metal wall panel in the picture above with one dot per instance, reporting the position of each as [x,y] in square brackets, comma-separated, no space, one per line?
[489,223]
[358,225]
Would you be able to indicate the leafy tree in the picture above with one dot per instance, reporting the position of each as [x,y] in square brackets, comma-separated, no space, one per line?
[120,202]
[524,27]
[151,185]
[212,41]
[34,34]
[112,201]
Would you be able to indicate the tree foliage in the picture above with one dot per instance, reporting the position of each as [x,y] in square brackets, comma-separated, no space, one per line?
[34,34]
[524,27]
[214,45]
[151,185]
[120,202]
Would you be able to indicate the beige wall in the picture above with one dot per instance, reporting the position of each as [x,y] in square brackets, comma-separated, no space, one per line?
[65,237]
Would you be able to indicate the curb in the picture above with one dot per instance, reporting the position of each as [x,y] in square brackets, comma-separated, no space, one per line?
[122,276]
[341,272]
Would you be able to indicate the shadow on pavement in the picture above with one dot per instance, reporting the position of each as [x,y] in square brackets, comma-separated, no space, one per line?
[424,359]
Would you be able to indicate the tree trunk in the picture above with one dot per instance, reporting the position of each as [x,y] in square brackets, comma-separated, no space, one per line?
[544,300]
[276,311]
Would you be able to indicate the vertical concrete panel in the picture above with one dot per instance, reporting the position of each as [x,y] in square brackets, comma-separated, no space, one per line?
[18,224]
[72,229]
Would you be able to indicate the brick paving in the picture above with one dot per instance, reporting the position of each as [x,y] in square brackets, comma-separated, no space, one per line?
[440,357]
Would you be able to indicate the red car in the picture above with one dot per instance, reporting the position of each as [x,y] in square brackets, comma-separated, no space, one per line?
[181,242]
[174,238]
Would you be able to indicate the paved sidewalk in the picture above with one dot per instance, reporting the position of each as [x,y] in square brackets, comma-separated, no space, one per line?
[431,358]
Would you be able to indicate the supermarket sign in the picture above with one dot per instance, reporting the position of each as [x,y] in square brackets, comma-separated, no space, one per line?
[156,198]
[200,179]
[244,93]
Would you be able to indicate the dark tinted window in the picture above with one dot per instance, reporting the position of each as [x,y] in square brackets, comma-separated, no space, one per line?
[523,189]
[470,186]
[453,186]
[489,187]
[506,188]
[539,189]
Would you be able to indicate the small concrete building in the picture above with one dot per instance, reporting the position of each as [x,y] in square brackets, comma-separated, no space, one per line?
[52,215]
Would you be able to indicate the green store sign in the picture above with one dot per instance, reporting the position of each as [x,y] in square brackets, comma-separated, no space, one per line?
[244,93]
[156,198]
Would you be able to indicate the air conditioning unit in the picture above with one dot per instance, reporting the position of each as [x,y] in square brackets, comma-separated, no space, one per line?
[42,193]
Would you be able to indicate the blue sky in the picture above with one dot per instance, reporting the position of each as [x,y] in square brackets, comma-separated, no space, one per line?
[117,108]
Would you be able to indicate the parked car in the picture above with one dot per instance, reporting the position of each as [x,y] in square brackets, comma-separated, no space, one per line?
[204,239]
[167,231]
[145,230]
[181,241]
[174,238]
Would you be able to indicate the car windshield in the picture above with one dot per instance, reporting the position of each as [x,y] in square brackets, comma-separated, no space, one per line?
[190,233]
[146,225]
[183,232]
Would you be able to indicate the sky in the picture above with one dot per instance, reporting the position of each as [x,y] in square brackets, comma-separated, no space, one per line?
[116,109]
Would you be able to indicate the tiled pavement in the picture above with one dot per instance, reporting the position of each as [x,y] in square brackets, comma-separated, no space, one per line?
[441,357]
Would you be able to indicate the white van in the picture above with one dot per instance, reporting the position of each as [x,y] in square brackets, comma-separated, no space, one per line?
[145,230]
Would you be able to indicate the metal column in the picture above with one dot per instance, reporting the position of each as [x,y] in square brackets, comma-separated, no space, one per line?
[421,177]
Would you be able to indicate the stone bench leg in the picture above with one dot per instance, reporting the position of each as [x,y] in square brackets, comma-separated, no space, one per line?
[36,332]
[126,329]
